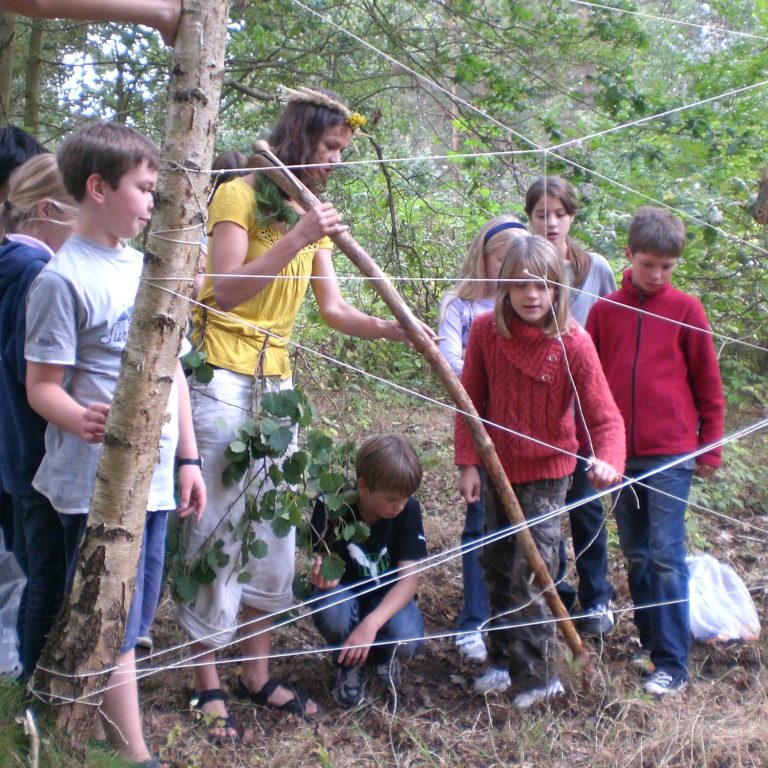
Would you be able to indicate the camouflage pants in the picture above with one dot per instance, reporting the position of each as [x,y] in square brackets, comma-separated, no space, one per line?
[529,652]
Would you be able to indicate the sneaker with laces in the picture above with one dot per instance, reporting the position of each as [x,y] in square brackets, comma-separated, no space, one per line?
[349,688]
[642,663]
[597,621]
[472,647]
[662,683]
[145,643]
[493,680]
[532,696]
[389,673]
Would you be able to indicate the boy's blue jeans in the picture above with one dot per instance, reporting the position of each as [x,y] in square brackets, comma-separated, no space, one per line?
[652,537]
[38,547]
[149,571]
[474,612]
[336,622]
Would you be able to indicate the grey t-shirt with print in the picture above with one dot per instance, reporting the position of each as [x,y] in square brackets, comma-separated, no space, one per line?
[78,313]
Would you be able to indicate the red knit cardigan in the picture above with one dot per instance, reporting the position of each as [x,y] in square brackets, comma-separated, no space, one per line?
[522,383]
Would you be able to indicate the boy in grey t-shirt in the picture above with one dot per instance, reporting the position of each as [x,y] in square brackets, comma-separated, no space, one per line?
[78,312]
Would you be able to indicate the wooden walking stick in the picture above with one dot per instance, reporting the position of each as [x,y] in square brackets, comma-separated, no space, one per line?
[287,181]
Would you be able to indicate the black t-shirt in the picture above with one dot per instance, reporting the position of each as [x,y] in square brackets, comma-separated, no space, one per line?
[391,542]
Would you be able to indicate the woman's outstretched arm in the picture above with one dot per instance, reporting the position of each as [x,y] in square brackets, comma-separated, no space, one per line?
[163,15]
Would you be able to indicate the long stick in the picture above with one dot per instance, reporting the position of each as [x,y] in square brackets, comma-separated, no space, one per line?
[288,182]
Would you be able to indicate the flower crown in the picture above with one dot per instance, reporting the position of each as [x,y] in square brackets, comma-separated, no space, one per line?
[303,95]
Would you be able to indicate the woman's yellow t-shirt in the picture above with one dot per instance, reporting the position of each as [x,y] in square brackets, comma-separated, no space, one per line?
[263,323]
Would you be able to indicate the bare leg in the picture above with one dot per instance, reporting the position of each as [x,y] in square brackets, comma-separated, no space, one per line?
[163,15]
[120,708]
[256,672]
[206,679]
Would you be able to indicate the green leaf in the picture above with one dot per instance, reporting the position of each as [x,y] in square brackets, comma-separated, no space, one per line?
[259,549]
[279,439]
[238,446]
[250,427]
[318,443]
[332,568]
[362,532]
[274,474]
[282,404]
[232,474]
[185,588]
[243,577]
[204,373]
[281,527]
[331,482]
[192,359]
[294,466]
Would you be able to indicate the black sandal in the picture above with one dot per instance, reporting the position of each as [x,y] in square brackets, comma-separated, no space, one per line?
[295,706]
[213,721]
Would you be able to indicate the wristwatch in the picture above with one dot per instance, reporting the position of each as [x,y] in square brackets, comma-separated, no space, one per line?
[198,462]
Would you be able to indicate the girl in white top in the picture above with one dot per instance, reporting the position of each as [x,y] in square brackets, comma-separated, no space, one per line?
[475,293]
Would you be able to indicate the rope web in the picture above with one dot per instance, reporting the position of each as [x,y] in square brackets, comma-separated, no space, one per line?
[179,656]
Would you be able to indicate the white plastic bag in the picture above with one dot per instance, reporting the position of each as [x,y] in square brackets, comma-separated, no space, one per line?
[721,607]
[11,586]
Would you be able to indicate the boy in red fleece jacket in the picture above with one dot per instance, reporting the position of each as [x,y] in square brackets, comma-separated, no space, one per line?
[656,348]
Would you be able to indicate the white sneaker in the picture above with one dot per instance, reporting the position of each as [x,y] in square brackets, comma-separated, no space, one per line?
[472,647]
[661,683]
[493,680]
[597,622]
[528,698]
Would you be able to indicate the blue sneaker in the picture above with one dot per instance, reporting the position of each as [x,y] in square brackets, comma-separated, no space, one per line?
[662,683]
[349,689]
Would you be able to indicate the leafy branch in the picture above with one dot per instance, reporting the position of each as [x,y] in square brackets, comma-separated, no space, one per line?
[281,485]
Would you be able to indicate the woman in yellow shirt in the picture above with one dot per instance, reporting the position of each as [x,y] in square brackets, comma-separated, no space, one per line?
[259,268]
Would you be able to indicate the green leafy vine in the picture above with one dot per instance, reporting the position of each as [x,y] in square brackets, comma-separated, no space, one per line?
[281,488]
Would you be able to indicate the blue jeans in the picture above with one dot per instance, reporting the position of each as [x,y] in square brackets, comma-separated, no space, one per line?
[652,536]
[38,547]
[336,622]
[474,612]
[587,525]
[149,571]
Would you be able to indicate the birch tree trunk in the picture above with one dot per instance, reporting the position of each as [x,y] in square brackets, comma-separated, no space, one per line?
[89,631]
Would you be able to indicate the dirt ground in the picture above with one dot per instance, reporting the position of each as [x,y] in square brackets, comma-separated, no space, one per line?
[604,719]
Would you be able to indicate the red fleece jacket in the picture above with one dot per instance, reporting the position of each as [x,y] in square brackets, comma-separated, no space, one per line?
[665,377]
[522,383]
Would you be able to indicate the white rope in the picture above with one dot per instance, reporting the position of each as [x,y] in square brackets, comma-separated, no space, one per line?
[361,278]
[427,637]
[657,116]
[429,562]
[667,20]
[458,100]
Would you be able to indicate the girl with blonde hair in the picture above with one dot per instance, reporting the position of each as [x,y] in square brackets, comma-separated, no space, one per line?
[473,294]
[35,220]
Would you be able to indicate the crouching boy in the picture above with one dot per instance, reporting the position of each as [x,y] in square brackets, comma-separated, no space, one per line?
[371,609]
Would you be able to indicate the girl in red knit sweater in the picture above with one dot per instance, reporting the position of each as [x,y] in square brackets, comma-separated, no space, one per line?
[525,364]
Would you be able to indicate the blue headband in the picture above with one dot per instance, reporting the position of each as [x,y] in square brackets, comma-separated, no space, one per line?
[500,228]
